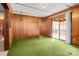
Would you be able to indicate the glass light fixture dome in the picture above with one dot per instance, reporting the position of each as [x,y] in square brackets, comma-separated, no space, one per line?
[44,5]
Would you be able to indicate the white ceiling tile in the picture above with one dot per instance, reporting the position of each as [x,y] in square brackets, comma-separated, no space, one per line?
[35,9]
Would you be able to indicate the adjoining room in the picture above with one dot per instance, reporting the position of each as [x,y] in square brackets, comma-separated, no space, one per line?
[1,29]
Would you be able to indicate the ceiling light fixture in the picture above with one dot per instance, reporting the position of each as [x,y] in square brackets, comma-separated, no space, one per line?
[43,5]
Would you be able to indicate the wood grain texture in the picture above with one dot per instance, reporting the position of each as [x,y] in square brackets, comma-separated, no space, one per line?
[26,27]
[45,27]
[75,25]
[15,27]
[6,26]
[6,29]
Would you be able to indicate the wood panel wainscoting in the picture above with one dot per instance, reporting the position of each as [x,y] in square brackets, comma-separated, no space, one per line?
[25,26]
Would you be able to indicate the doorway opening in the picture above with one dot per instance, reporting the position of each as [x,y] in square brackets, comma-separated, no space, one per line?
[1,28]
[59,27]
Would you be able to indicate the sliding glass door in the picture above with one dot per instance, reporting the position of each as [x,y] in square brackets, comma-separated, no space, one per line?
[62,28]
[55,28]
[59,27]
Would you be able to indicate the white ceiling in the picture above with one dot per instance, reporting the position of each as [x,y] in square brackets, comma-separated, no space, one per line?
[35,9]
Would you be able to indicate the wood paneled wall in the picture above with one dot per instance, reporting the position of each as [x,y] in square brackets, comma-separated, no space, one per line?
[25,26]
[18,26]
[75,25]
[7,27]
[45,27]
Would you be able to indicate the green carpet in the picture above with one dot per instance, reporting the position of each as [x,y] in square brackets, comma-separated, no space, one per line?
[42,46]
